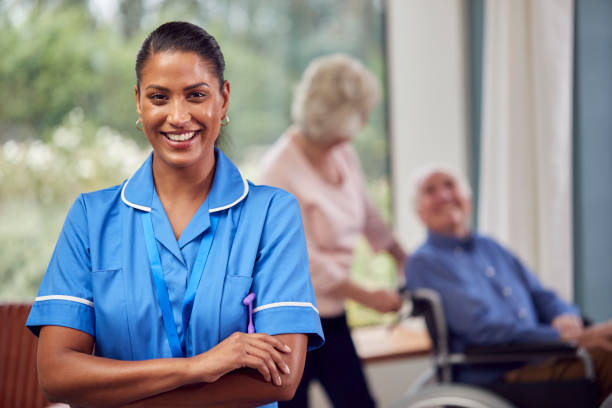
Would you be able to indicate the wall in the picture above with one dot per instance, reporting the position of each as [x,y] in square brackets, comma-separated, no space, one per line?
[428,90]
[593,157]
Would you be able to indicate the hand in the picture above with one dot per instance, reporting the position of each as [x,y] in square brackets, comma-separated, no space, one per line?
[598,336]
[259,351]
[383,300]
[568,325]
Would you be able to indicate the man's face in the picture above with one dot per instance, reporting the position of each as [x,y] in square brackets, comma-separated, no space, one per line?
[442,204]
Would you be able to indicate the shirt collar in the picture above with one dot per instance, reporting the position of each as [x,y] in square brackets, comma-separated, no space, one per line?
[450,242]
[228,189]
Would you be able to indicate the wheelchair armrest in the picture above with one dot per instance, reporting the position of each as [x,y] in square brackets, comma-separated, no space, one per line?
[517,353]
[523,353]
[557,348]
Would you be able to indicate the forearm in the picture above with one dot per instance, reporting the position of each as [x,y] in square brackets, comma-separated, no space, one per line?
[240,389]
[398,254]
[348,289]
[495,333]
[90,381]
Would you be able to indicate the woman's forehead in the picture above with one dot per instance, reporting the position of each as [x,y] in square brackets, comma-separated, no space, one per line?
[177,66]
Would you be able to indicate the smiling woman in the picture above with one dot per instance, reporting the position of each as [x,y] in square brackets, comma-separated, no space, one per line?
[153,272]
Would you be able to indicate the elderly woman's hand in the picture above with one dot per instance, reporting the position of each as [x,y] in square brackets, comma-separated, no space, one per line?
[384,300]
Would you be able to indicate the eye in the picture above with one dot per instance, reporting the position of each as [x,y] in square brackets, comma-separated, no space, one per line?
[157,98]
[430,189]
[196,95]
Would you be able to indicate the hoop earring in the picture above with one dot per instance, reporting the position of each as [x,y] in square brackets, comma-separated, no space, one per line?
[139,127]
[225,121]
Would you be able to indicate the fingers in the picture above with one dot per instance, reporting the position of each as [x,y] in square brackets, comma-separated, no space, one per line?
[259,365]
[272,361]
[263,353]
[390,301]
[277,344]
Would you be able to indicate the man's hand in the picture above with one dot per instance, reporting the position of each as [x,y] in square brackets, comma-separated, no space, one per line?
[568,325]
[598,336]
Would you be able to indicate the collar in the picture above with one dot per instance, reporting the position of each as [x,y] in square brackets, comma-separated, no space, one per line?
[228,189]
[450,242]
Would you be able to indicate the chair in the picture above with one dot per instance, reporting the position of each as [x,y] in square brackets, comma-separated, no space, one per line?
[577,393]
[18,375]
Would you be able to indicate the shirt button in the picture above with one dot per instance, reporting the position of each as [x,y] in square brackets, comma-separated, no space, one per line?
[490,272]
[458,251]
[507,291]
[522,313]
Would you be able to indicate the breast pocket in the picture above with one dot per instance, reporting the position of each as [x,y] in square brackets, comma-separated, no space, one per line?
[112,334]
[234,314]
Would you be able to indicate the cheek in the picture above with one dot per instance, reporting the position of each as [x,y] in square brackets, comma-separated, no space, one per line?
[152,115]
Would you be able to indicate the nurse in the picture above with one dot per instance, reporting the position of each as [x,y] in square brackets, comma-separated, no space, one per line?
[142,302]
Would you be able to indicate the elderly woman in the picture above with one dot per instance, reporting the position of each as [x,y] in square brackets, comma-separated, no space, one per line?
[315,161]
[148,296]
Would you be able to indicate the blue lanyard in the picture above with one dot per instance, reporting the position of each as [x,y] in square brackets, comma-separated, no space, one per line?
[177,346]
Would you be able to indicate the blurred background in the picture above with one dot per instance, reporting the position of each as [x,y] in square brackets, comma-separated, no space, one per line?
[67,120]
[515,94]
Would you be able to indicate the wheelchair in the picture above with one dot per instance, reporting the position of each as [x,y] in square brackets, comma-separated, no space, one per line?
[436,388]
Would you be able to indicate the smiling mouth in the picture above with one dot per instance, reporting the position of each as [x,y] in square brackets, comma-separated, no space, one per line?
[180,137]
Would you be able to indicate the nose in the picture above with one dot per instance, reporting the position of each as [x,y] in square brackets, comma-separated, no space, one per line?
[179,114]
[445,194]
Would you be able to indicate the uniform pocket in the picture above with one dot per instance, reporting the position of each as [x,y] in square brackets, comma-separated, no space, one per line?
[112,334]
[234,315]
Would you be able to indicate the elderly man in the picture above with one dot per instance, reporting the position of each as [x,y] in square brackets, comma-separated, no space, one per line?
[489,296]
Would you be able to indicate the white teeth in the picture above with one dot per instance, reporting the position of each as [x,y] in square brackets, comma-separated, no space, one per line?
[180,137]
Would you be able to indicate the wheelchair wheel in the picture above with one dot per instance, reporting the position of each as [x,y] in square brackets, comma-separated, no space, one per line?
[465,396]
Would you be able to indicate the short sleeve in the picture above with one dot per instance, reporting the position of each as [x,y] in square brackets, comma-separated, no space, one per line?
[65,295]
[285,300]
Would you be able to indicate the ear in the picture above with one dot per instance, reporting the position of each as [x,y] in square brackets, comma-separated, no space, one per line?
[225,95]
[137,96]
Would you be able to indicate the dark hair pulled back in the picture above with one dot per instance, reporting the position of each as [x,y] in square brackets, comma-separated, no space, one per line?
[181,36]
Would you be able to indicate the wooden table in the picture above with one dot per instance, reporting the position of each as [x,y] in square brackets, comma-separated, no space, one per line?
[382,343]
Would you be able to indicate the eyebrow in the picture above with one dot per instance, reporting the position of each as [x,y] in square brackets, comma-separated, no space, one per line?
[161,88]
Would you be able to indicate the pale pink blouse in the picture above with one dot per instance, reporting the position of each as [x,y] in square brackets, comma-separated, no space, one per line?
[334,215]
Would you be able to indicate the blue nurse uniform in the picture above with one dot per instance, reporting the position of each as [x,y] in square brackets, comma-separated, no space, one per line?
[99,278]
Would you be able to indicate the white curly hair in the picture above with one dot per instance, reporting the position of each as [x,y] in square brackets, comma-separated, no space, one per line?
[333,97]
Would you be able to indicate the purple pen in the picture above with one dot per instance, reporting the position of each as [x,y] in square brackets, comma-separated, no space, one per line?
[248,301]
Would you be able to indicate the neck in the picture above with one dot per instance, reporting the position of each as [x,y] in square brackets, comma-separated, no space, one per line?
[315,152]
[454,231]
[183,184]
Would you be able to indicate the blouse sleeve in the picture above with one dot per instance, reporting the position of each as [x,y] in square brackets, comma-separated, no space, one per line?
[285,301]
[65,294]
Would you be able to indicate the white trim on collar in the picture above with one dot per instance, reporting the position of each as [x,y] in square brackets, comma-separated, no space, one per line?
[246,191]
[138,207]
[211,210]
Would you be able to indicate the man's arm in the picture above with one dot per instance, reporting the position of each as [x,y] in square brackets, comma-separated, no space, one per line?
[548,304]
[468,314]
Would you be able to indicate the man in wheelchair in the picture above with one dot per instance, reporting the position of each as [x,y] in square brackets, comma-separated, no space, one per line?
[489,297]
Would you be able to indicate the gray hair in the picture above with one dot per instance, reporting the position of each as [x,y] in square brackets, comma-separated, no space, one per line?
[422,173]
[334,94]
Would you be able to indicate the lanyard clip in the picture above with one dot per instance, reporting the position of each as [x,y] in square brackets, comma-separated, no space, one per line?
[248,301]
